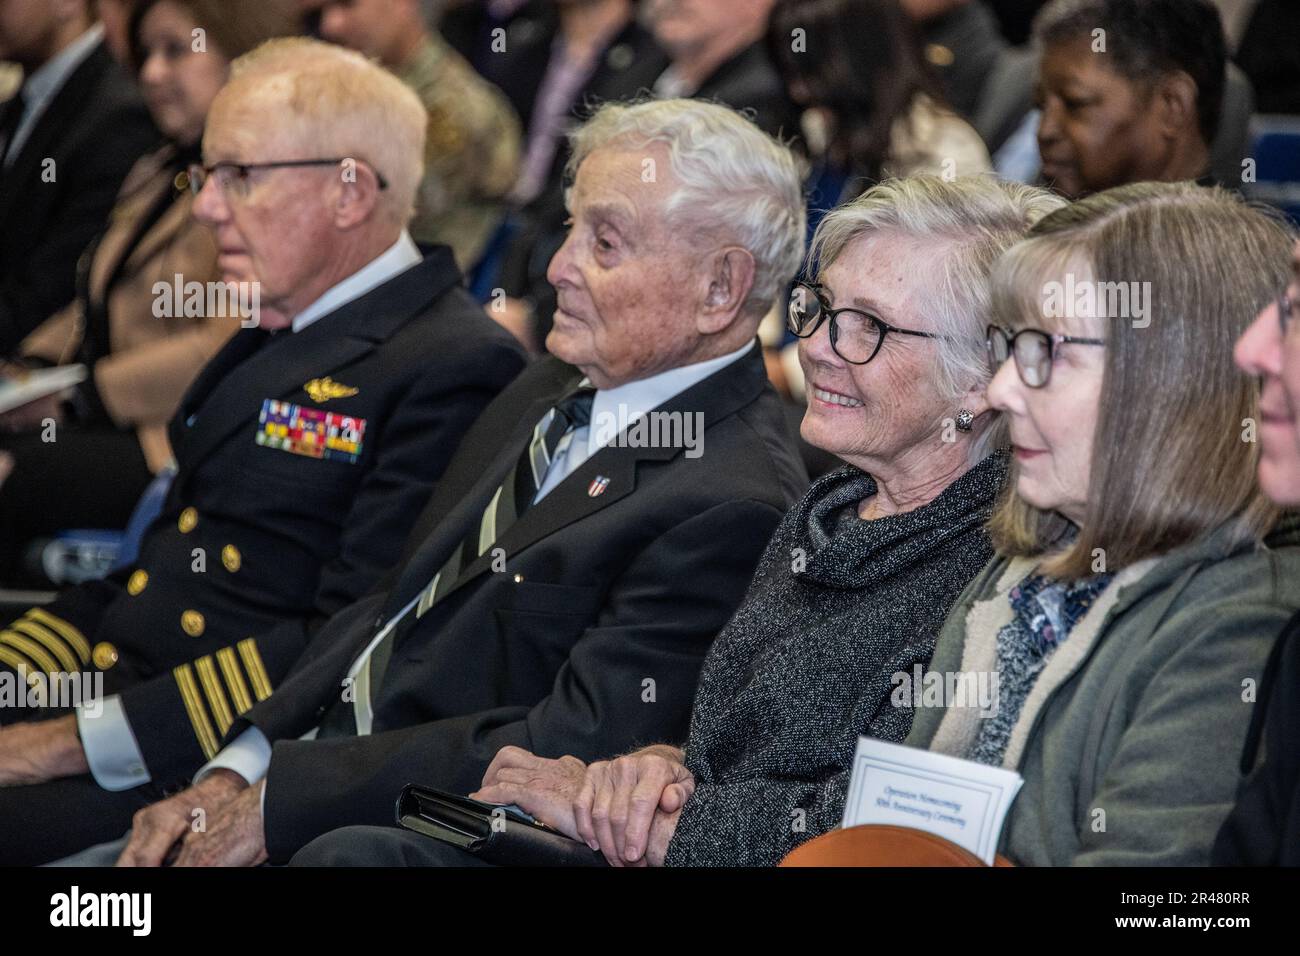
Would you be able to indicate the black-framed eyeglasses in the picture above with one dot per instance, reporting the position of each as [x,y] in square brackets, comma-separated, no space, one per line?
[1033,350]
[233,177]
[856,336]
[1285,309]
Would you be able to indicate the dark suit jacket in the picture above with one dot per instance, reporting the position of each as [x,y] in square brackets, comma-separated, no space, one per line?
[94,129]
[287,539]
[750,81]
[518,67]
[1263,829]
[588,642]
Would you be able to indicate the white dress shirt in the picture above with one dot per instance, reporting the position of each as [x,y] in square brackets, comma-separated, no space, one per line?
[249,754]
[111,749]
[44,84]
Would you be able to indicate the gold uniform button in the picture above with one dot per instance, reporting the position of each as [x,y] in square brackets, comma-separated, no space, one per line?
[189,518]
[231,558]
[192,623]
[938,54]
[104,655]
[138,581]
[519,579]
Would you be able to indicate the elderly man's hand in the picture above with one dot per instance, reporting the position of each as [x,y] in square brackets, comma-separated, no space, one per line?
[235,837]
[37,751]
[622,800]
[157,828]
[545,788]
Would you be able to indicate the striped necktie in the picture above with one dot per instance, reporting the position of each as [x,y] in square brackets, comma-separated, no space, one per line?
[516,494]
[507,505]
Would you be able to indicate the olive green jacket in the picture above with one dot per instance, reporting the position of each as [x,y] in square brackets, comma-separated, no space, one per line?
[1130,739]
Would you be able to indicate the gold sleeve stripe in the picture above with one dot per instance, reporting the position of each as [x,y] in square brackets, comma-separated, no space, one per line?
[64,630]
[194,707]
[256,670]
[19,663]
[33,650]
[234,679]
[216,696]
[51,641]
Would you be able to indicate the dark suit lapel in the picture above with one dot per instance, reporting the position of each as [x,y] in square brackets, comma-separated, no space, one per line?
[59,112]
[452,529]
[291,359]
[717,397]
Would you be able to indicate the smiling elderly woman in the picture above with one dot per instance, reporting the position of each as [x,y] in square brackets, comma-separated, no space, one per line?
[1141,574]
[859,575]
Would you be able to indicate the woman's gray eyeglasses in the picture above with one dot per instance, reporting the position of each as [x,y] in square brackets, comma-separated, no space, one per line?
[1033,350]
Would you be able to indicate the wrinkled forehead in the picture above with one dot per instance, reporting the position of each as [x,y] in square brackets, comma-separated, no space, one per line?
[880,270]
[630,186]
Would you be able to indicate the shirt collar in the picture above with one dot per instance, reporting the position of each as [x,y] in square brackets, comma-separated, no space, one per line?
[52,74]
[397,258]
[630,401]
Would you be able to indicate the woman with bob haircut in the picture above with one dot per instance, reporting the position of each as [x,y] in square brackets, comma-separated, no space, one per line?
[1141,575]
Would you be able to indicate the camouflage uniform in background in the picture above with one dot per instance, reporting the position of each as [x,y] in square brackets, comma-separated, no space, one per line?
[471,155]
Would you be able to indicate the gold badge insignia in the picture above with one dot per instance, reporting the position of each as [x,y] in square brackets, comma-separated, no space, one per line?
[323,389]
[192,623]
[189,518]
[138,581]
[104,655]
[231,558]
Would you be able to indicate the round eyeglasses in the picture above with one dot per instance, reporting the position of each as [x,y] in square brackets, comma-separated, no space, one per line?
[1033,350]
[856,336]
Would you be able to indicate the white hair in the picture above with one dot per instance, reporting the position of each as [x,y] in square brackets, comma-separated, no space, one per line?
[733,176]
[964,224]
[338,101]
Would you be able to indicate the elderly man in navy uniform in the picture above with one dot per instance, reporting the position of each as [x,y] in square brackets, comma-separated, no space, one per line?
[305,448]
[595,530]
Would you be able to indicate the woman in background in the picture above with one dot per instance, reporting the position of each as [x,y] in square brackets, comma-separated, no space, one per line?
[112,429]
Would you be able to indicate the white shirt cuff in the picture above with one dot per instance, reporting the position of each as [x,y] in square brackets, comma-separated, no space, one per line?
[248,755]
[110,745]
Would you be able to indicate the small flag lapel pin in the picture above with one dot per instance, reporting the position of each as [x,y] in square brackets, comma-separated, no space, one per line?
[597,486]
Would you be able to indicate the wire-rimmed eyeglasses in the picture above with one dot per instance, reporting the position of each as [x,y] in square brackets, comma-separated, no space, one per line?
[232,178]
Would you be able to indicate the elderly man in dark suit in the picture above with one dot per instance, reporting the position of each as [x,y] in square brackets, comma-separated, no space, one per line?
[68,137]
[304,448]
[596,529]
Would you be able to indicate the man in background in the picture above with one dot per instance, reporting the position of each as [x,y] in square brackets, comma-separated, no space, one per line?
[68,137]
[472,147]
